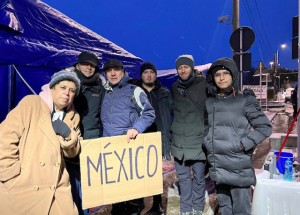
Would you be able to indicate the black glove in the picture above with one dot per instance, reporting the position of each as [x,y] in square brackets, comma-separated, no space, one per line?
[61,128]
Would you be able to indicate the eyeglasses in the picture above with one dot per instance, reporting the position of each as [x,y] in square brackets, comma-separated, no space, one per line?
[224,74]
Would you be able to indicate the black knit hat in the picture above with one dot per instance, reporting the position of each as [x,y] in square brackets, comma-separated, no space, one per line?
[185,60]
[217,68]
[88,57]
[147,65]
[112,63]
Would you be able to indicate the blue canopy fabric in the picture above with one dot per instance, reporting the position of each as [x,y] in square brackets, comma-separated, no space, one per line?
[39,40]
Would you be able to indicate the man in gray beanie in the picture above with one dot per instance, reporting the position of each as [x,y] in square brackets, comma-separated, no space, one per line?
[189,94]
[185,60]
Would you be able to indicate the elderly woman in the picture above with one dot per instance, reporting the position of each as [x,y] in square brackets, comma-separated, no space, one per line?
[33,140]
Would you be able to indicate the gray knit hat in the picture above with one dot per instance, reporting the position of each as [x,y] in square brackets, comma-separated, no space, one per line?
[185,60]
[65,75]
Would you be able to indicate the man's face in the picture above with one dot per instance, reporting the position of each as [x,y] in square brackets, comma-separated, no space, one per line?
[148,77]
[114,75]
[184,72]
[223,79]
[63,94]
[86,68]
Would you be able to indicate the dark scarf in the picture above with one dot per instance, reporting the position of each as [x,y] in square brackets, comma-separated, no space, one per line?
[88,81]
[187,83]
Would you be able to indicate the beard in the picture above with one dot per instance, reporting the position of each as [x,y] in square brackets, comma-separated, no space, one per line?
[149,84]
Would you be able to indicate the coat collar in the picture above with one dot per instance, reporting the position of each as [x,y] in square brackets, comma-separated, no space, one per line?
[46,125]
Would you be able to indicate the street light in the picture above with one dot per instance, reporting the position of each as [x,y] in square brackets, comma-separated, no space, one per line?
[282,46]
[276,63]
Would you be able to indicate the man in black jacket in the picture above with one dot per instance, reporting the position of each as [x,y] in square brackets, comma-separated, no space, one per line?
[88,105]
[161,100]
[189,94]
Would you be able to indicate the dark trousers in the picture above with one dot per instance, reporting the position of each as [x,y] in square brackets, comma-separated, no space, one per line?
[234,200]
[191,184]
[73,169]
[295,110]
[131,207]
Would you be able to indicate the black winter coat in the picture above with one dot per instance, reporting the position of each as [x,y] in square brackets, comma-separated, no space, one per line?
[88,105]
[189,120]
[236,124]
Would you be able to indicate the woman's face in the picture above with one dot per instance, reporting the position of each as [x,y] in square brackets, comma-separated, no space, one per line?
[63,94]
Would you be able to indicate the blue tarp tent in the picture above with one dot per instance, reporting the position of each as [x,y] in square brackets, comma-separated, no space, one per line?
[36,41]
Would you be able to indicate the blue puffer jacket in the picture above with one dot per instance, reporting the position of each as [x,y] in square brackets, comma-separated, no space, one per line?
[126,107]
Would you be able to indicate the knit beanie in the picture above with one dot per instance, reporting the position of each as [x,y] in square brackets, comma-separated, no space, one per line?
[147,65]
[217,68]
[65,75]
[185,60]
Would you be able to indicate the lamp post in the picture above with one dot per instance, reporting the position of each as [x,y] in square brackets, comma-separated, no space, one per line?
[276,77]
[276,61]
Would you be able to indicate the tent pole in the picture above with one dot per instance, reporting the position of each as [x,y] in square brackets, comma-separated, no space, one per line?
[11,87]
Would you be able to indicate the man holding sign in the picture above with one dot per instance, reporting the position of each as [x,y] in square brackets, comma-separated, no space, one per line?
[126,109]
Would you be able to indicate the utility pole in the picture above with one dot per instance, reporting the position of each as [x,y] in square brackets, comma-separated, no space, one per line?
[235,14]
[260,85]
[236,25]
[277,88]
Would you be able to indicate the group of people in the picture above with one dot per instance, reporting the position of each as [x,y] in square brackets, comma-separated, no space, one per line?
[204,121]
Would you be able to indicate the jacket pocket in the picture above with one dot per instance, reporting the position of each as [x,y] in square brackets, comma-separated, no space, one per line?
[238,145]
[7,185]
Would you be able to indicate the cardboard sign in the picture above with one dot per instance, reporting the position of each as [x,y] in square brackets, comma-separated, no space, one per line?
[113,170]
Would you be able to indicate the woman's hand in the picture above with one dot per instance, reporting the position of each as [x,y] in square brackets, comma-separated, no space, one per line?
[71,141]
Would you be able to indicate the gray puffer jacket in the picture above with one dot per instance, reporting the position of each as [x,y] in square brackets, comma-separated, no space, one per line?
[236,125]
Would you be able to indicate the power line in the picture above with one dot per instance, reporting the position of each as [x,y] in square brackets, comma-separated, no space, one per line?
[261,39]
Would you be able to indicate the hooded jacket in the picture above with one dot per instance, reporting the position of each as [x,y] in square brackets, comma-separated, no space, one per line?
[236,124]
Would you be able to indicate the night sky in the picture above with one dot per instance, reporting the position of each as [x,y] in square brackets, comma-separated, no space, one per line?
[161,30]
